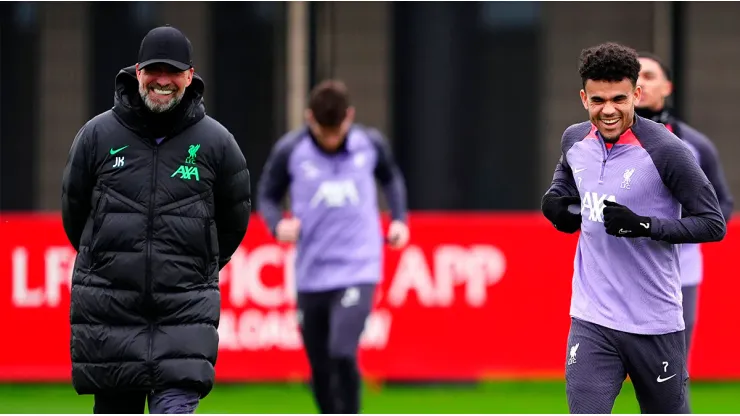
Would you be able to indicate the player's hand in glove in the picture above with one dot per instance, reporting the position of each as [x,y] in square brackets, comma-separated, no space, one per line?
[556,210]
[620,221]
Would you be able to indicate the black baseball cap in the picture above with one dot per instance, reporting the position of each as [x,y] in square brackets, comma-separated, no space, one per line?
[166,45]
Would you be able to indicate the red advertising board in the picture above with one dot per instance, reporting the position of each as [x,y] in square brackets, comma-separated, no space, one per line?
[473,296]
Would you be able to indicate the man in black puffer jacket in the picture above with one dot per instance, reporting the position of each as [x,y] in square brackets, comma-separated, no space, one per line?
[155,199]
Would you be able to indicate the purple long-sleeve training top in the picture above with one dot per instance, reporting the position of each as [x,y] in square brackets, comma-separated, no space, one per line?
[335,197]
[633,284]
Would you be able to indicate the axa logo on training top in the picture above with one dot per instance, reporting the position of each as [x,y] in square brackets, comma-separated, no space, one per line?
[592,203]
[336,194]
[189,170]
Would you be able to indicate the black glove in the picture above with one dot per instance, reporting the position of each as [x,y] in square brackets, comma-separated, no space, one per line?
[620,221]
[555,209]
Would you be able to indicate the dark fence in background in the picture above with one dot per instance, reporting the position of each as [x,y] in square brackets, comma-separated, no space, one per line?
[465,94]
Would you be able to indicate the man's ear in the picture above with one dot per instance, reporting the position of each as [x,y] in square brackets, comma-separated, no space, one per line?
[584,99]
[667,89]
[191,75]
[350,117]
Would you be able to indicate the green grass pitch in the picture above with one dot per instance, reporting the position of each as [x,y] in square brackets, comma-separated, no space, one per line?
[492,397]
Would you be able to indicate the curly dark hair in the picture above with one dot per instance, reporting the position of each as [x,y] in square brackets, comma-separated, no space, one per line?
[610,62]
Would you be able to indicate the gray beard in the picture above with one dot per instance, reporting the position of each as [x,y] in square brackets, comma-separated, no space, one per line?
[156,107]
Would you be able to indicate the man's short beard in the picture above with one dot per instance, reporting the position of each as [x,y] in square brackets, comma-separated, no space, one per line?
[156,107]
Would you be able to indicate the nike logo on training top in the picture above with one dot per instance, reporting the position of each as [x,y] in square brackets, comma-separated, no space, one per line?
[653,174]
[114,151]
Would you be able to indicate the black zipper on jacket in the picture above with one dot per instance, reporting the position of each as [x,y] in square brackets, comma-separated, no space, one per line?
[606,153]
[148,300]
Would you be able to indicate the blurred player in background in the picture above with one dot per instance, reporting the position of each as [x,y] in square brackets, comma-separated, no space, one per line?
[632,177]
[655,81]
[329,168]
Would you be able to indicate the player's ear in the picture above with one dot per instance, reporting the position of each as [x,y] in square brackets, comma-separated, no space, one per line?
[584,99]
[637,94]
[308,116]
[667,88]
[350,117]
[191,74]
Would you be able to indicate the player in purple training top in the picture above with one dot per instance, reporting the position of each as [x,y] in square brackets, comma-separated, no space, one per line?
[632,177]
[330,167]
[655,81]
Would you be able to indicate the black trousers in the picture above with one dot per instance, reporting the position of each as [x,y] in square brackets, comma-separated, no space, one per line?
[169,401]
[331,324]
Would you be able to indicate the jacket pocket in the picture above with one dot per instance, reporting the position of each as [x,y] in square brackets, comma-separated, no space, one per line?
[209,260]
[98,216]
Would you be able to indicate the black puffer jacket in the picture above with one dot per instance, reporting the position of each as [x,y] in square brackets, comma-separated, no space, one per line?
[153,225]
